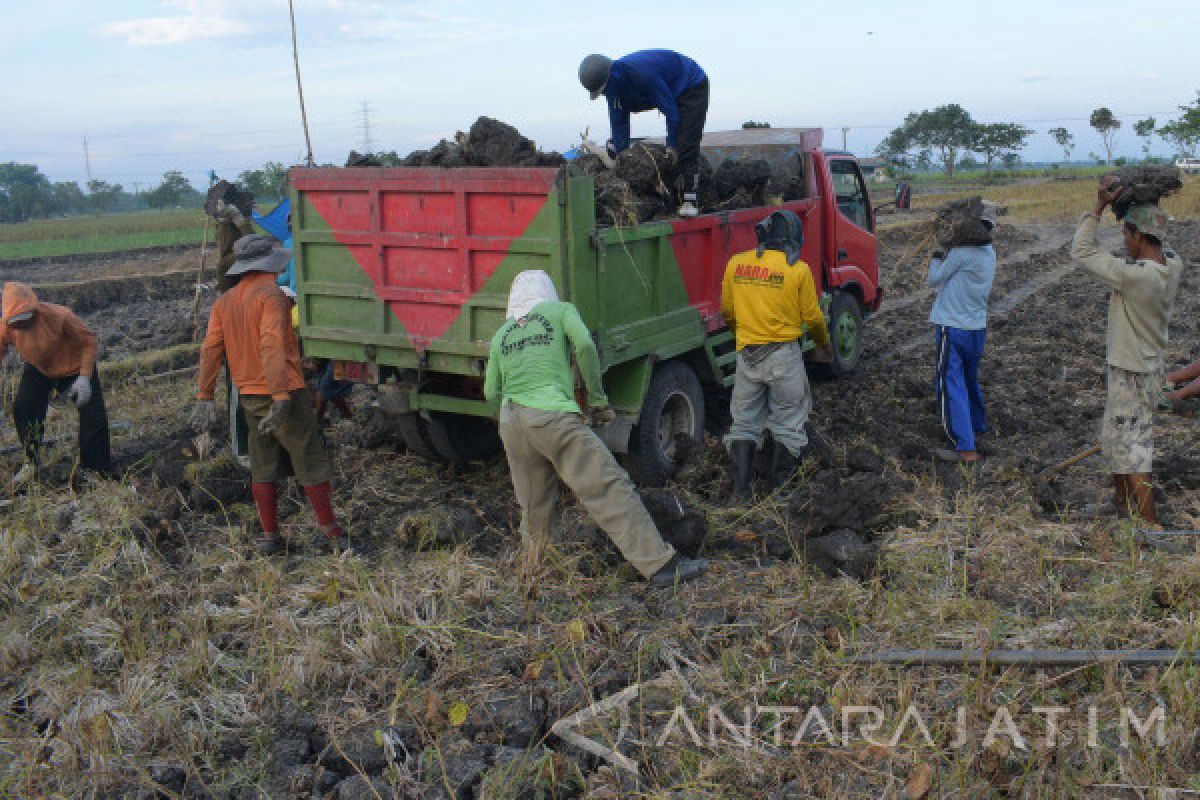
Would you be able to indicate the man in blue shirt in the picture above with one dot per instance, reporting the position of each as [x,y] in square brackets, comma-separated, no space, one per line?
[963,279]
[662,79]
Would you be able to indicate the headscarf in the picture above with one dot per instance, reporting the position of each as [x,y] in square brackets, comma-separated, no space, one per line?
[529,288]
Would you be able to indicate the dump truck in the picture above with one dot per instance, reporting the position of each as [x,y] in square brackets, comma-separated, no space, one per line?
[404,275]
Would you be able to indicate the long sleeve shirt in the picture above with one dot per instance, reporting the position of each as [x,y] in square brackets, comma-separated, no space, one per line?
[530,363]
[251,327]
[765,299]
[1143,296]
[644,80]
[57,343]
[963,280]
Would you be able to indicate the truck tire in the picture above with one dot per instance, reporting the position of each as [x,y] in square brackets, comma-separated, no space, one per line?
[845,333]
[416,436]
[461,438]
[674,404]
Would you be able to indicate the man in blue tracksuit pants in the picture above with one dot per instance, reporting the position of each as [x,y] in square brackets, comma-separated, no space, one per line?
[963,279]
[663,79]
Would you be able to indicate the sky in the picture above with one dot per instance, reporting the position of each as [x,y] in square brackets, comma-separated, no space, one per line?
[195,85]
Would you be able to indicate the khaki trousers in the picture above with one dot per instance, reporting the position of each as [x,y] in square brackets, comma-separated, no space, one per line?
[543,446]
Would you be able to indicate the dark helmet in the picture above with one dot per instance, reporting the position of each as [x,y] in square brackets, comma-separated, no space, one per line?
[593,73]
[781,230]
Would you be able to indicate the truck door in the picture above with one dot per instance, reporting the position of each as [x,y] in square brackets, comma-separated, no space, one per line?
[855,221]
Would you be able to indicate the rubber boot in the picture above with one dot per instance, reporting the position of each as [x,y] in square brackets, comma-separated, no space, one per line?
[742,451]
[784,466]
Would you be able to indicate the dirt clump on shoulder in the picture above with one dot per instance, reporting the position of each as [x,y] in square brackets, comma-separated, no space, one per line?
[959,224]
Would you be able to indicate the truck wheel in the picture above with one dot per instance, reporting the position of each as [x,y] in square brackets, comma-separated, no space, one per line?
[462,438]
[416,436]
[674,405]
[845,333]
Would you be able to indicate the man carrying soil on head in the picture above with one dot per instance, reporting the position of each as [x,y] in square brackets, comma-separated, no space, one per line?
[230,208]
[59,352]
[769,299]
[250,326]
[1139,311]
[662,79]
[963,278]
[529,374]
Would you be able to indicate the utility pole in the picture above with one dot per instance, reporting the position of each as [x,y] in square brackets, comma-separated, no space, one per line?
[364,126]
[87,160]
[844,132]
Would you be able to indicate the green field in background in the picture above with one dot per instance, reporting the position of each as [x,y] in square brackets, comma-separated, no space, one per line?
[102,233]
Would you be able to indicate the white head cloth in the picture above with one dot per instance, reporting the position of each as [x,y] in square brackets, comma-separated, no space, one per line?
[529,288]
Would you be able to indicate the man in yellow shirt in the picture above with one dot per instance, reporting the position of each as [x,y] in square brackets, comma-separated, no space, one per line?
[769,300]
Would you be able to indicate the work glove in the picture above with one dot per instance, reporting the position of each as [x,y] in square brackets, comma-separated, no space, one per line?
[204,416]
[602,416]
[80,392]
[274,418]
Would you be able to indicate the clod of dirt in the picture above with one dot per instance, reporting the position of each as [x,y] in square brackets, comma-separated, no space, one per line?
[231,194]
[646,168]
[842,552]
[357,159]
[787,180]
[750,175]
[1144,185]
[491,143]
[615,202]
[216,482]
[459,766]
[958,224]
[438,527]
[681,525]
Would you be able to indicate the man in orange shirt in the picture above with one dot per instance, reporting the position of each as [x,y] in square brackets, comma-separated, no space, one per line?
[251,327]
[59,352]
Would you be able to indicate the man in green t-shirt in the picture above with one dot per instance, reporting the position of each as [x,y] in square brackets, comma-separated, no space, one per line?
[545,438]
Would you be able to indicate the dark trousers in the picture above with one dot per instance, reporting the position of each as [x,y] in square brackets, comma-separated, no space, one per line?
[693,109]
[960,402]
[29,416]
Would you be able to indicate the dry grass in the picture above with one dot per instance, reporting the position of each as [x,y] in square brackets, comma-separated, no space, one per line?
[126,652]
[1050,200]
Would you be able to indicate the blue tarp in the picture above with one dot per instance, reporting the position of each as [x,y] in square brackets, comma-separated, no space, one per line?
[275,222]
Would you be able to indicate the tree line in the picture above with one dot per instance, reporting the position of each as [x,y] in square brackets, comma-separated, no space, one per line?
[26,193]
[948,135]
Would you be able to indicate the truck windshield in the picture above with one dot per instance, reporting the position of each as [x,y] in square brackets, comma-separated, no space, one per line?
[850,191]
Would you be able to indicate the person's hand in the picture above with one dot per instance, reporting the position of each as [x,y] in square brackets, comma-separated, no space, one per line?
[939,254]
[229,211]
[275,417]
[672,154]
[1106,193]
[204,416]
[81,391]
[823,354]
[603,416]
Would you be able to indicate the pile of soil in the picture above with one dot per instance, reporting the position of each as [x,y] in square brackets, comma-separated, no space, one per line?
[1144,185]
[639,187]
[958,224]
[489,143]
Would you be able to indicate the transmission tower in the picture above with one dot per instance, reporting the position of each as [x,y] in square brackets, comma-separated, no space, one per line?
[364,127]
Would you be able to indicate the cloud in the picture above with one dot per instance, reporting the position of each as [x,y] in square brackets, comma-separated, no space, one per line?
[1034,76]
[198,20]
